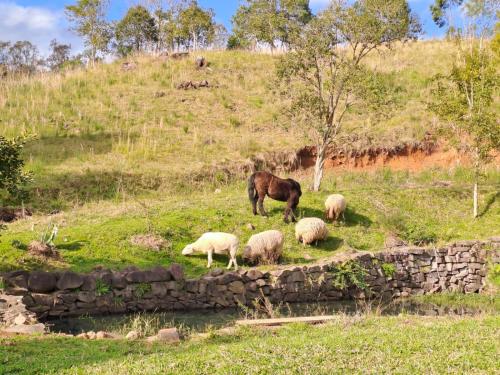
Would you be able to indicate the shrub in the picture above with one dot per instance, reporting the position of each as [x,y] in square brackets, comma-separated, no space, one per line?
[101,288]
[347,274]
[389,269]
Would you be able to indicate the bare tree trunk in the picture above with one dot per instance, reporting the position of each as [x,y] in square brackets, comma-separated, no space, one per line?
[319,166]
[475,200]
[476,179]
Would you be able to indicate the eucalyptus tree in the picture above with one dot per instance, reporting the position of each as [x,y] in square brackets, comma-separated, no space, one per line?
[464,99]
[88,20]
[196,26]
[323,75]
[136,31]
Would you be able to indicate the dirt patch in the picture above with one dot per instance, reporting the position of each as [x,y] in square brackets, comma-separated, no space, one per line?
[150,241]
[40,249]
[8,215]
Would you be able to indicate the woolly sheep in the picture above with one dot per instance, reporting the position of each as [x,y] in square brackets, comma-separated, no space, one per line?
[310,229]
[335,206]
[265,247]
[215,242]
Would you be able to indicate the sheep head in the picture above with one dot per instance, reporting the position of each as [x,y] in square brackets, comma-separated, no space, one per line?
[188,250]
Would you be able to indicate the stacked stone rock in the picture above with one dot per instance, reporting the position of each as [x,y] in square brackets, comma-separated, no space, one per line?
[457,267]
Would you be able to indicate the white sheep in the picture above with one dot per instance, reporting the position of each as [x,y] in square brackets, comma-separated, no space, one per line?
[265,247]
[215,242]
[335,206]
[310,229]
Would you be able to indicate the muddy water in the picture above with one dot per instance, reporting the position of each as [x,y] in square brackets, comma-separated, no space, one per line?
[204,320]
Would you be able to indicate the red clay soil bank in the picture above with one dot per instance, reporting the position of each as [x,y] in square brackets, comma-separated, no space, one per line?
[412,157]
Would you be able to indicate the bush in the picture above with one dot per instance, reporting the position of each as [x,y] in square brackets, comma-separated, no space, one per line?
[12,176]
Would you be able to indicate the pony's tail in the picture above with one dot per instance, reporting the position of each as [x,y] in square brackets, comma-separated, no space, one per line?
[251,188]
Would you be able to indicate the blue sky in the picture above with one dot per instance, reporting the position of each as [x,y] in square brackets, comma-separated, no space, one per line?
[41,21]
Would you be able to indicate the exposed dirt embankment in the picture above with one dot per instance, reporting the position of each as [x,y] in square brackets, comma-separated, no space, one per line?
[413,157]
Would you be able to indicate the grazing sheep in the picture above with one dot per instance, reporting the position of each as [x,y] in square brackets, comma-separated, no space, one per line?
[265,247]
[310,229]
[335,206]
[215,242]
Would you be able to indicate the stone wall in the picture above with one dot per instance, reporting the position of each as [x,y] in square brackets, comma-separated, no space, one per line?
[393,273]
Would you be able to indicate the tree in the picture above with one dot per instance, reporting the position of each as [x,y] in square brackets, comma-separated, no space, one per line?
[59,56]
[88,18]
[12,177]
[23,57]
[463,99]
[271,21]
[323,75]
[196,25]
[4,52]
[135,31]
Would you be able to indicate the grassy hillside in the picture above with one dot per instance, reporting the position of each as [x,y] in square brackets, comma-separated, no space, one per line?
[403,344]
[106,131]
[119,153]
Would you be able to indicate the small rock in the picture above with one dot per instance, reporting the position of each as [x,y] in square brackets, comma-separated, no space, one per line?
[102,335]
[91,335]
[168,335]
[132,335]
[82,336]
[20,320]
[217,191]
[307,257]
[250,226]
[26,329]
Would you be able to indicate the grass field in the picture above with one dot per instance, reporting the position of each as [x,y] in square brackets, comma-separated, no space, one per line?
[362,344]
[380,203]
[104,131]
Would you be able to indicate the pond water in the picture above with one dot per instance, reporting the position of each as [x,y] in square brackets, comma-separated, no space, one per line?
[204,320]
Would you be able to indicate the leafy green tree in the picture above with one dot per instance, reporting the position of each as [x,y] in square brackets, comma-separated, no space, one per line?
[196,25]
[59,56]
[135,31]
[271,21]
[88,18]
[464,99]
[323,76]
[12,176]
[23,57]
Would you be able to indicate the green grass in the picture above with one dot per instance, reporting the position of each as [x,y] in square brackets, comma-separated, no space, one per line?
[102,132]
[378,203]
[402,345]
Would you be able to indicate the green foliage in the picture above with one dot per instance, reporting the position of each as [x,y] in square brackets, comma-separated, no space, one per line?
[269,22]
[101,288]
[12,176]
[2,283]
[135,31]
[389,269]
[89,21]
[347,274]
[48,236]
[408,228]
[196,25]
[141,289]
[494,274]
[322,78]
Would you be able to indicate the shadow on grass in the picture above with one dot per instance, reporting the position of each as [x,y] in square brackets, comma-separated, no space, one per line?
[489,202]
[56,149]
[72,246]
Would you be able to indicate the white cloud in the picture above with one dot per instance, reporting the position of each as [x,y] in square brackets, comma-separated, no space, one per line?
[36,24]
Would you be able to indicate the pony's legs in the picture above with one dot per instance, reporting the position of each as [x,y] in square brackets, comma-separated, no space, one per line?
[289,212]
[254,203]
[261,206]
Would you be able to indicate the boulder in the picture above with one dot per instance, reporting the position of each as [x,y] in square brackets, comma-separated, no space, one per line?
[177,272]
[18,279]
[42,282]
[132,335]
[87,297]
[168,335]
[69,280]
[237,287]
[89,282]
[254,274]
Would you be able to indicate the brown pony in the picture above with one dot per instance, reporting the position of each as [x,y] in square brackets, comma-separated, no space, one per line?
[287,190]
